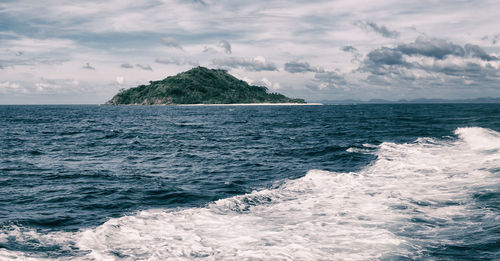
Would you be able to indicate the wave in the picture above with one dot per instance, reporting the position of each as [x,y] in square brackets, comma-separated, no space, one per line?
[415,199]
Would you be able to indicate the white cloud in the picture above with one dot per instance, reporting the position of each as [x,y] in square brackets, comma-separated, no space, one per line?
[258,63]
[67,35]
[36,46]
[267,83]
[11,87]
[120,80]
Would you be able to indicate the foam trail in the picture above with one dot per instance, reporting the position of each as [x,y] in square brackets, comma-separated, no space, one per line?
[301,220]
[336,215]
[413,197]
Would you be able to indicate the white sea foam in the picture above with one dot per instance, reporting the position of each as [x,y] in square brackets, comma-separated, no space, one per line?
[362,215]
[358,150]
[367,148]
[64,241]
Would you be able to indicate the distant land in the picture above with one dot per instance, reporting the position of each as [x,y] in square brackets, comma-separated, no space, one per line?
[199,86]
[413,101]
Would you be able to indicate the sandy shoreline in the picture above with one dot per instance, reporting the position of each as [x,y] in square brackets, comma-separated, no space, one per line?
[222,104]
[253,104]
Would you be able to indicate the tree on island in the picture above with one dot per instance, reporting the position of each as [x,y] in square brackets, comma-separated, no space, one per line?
[198,86]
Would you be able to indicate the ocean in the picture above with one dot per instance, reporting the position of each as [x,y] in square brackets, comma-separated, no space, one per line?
[333,182]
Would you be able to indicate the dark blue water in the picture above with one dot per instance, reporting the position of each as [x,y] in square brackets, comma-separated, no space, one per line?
[68,169]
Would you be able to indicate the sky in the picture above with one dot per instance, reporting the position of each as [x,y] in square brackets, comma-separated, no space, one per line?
[83,52]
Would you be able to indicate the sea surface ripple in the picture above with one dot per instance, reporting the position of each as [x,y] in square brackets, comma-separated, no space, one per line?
[350,182]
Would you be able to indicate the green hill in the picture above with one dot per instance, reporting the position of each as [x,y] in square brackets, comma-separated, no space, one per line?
[199,86]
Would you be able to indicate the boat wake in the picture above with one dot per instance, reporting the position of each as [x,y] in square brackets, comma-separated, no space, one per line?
[414,201]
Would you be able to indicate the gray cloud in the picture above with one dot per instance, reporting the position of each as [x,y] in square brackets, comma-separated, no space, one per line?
[380,29]
[176,61]
[226,46]
[32,61]
[491,38]
[386,56]
[299,67]
[171,42]
[349,49]
[88,67]
[256,64]
[440,49]
[331,79]
[126,65]
[476,51]
[433,48]
[145,67]
[201,2]
[449,63]
[211,50]
[316,30]
[354,51]
[42,85]
[20,58]
[468,69]
[436,48]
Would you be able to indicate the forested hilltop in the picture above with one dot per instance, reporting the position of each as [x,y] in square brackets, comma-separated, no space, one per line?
[199,86]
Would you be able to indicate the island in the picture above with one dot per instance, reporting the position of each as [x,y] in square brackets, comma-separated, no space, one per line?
[199,85]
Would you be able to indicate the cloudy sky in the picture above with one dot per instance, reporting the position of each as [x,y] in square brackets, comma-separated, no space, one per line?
[70,51]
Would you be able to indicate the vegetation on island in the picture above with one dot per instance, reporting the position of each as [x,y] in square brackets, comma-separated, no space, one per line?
[199,86]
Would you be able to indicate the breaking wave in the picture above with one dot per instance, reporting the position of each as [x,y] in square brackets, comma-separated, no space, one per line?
[414,201]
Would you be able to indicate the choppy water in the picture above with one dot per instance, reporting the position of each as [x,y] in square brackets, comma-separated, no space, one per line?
[293,183]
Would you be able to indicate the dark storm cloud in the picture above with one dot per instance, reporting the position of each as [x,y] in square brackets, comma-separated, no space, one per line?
[299,67]
[247,64]
[380,29]
[226,46]
[126,65]
[88,67]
